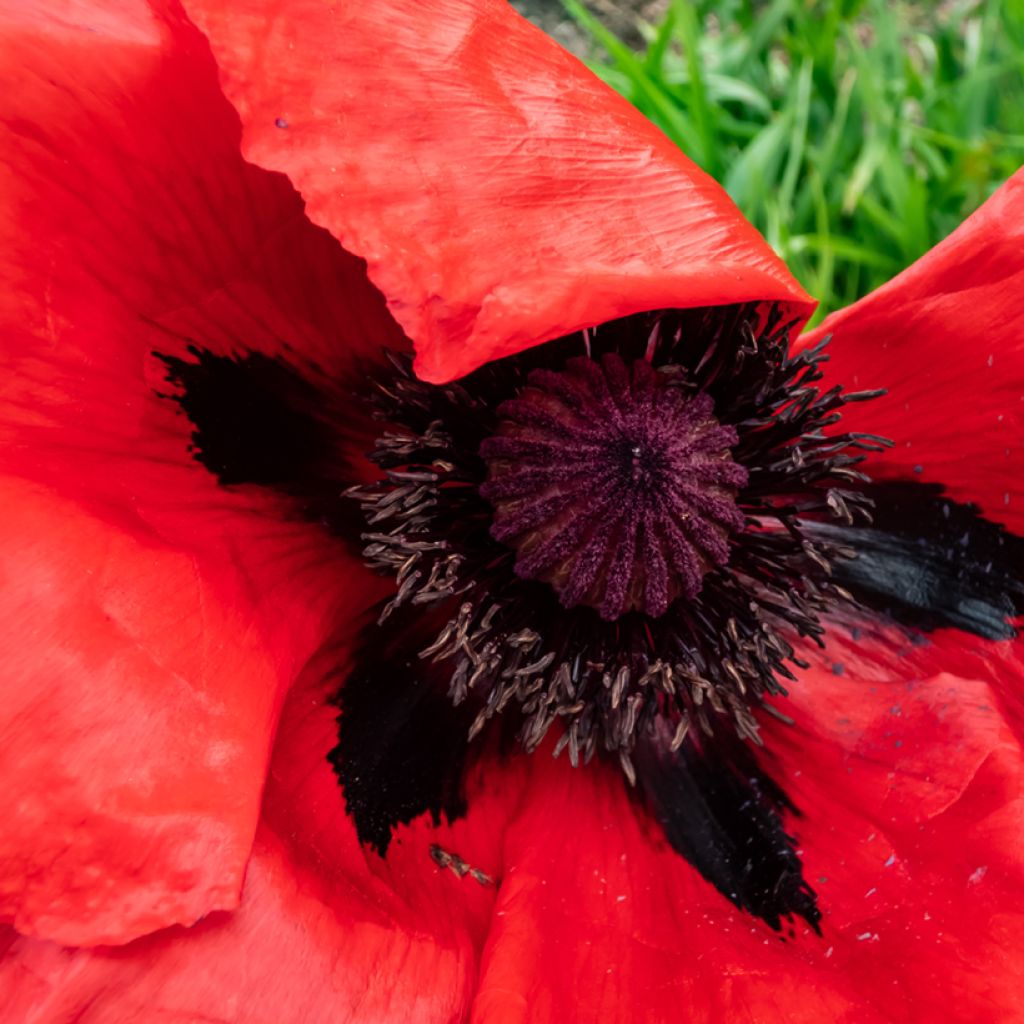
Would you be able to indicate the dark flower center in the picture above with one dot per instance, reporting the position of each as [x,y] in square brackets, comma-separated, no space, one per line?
[623,535]
[613,484]
[618,531]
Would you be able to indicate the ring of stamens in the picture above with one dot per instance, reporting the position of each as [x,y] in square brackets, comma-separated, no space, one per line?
[623,660]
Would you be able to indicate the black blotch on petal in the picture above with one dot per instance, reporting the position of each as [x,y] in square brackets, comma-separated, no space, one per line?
[254,416]
[401,743]
[931,562]
[724,815]
[258,420]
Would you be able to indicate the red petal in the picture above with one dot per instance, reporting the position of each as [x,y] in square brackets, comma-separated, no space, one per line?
[134,225]
[914,785]
[500,193]
[910,835]
[159,615]
[325,931]
[945,338]
[884,651]
[296,952]
[305,805]
[138,710]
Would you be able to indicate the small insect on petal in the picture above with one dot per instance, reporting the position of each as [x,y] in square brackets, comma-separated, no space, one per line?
[460,868]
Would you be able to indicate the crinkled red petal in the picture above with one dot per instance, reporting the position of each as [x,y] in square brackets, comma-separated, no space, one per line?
[133,225]
[325,932]
[944,337]
[159,616]
[499,192]
[296,951]
[138,709]
[881,650]
[910,790]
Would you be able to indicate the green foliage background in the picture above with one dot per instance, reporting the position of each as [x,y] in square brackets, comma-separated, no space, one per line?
[854,134]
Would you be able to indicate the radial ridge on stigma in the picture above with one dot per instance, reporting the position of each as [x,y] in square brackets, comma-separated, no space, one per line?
[613,484]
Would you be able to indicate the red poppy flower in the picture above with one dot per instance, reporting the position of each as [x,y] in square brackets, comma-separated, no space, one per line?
[190,333]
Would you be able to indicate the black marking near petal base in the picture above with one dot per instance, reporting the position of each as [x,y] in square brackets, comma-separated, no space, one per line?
[930,562]
[258,420]
[401,745]
[724,815]
[253,416]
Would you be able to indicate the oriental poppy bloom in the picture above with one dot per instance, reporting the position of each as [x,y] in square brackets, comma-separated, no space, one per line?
[279,713]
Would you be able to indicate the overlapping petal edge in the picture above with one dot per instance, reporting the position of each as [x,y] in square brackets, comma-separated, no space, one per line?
[500,194]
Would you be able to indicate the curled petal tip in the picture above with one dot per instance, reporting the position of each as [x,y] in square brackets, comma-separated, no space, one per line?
[501,194]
